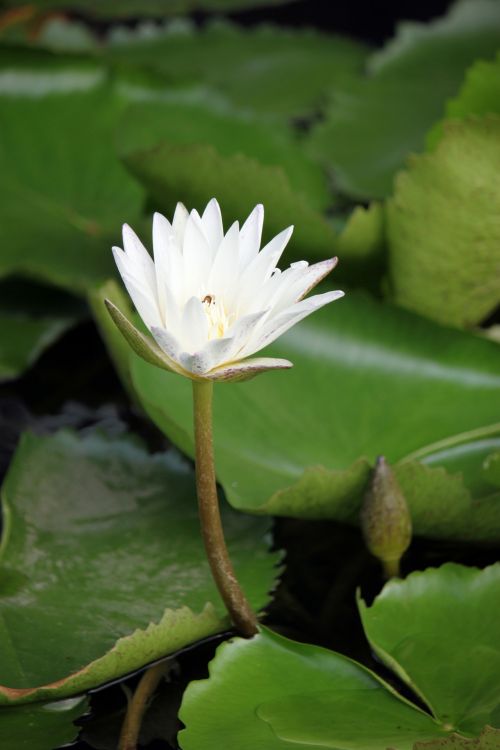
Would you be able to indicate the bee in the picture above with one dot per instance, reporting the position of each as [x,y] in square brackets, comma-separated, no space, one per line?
[209,299]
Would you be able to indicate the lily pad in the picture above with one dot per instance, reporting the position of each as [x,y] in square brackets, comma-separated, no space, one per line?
[479,95]
[203,119]
[59,215]
[374,124]
[311,434]
[438,630]
[443,226]
[274,693]
[268,70]
[102,562]
[40,726]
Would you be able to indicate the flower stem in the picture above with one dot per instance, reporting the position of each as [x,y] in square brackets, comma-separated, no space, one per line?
[229,588]
[138,705]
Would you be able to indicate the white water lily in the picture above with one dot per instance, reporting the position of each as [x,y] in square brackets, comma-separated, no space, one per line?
[212,300]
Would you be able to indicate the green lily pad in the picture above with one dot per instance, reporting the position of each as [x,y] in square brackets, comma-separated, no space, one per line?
[203,119]
[271,692]
[443,226]
[373,124]
[102,562]
[40,726]
[311,434]
[479,95]
[195,173]
[267,69]
[59,215]
[438,630]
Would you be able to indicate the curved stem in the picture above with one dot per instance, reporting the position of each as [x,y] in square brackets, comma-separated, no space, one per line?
[138,705]
[211,525]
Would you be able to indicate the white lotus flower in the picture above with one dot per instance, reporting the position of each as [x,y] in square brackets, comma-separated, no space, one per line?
[212,300]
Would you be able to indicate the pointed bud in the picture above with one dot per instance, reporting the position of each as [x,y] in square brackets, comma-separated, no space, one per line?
[385,519]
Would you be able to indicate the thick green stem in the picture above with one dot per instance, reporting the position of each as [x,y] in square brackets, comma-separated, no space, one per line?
[138,705]
[229,588]
[391,568]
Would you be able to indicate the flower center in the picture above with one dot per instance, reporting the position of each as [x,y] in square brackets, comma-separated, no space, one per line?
[219,320]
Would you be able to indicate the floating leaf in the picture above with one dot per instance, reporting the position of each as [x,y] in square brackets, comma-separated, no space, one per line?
[59,215]
[367,380]
[204,120]
[438,630]
[479,95]
[99,539]
[267,69]
[271,692]
[40,726]
[373,124]
[443,226]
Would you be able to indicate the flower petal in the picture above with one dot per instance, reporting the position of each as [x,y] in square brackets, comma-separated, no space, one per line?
[248,368]
[225,268]
[277,326]
[212,225]
[168,344]
[197,256]
[139,256]
[194,326]
[251,235]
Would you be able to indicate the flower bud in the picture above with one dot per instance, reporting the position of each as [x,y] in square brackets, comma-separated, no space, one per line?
[385,518]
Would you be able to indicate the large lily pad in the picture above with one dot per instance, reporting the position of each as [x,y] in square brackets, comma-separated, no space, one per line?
[373,124]
[479,95]
[40,726]
[102,563]
[271,692]
[295,69]
[367,380]
[438,630]
[443,226]
[64,193]
[202,119]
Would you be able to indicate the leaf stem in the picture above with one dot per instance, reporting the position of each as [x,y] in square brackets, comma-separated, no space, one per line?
[138,705]
[229,588]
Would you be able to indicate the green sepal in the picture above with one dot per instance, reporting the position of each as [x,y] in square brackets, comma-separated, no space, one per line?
[142,345]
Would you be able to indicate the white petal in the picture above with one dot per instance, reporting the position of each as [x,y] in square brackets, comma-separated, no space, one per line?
[197,256]
[139,256]
[296,282]
[224,272]
[167,343]
[248,368]
[261,268]
[197,363]
[194,326]
[162,239]
[144,303]
[275,327]
[179,221]
[212,225]
[251,235]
